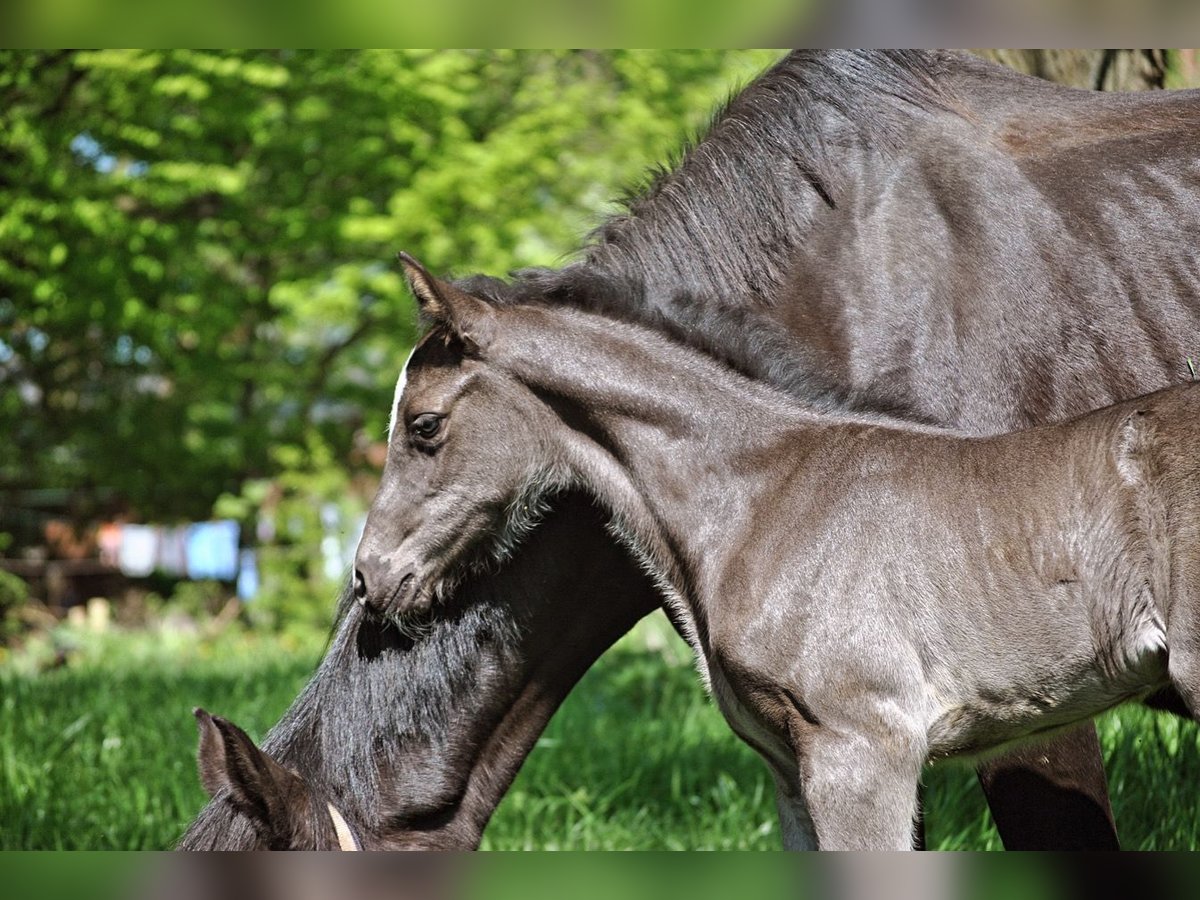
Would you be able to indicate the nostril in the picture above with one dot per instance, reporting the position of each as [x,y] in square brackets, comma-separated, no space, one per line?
[360,588]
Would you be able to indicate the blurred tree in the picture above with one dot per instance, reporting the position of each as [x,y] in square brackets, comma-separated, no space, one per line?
[1101,70]
[196,278]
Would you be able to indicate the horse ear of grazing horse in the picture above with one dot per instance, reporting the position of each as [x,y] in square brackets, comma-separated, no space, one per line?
[469,317]
[279,802]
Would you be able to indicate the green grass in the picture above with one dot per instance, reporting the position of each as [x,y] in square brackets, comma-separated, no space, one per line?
[100,755]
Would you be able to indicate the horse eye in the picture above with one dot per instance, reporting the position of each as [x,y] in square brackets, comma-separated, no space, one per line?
[426,425]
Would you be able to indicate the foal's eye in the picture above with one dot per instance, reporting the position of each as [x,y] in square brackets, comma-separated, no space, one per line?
[426,425]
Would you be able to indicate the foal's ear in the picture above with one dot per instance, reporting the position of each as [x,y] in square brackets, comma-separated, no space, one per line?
[468,316]
[253,782]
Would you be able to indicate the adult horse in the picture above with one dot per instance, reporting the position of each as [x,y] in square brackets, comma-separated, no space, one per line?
[960,245]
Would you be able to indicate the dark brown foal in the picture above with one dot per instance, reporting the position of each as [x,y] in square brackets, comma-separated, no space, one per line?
[862,594]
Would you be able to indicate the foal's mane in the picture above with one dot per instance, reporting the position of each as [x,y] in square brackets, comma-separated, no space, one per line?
[703,249]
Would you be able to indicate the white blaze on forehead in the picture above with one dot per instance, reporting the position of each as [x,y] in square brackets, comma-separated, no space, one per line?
[400,382]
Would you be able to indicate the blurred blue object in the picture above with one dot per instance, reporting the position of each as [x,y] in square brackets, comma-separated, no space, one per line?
[212,550]
[172,552]
[247,579]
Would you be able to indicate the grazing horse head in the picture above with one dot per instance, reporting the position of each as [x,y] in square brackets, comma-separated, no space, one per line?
[287,811]
[414,737]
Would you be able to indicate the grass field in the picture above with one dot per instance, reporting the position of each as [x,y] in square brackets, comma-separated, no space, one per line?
[100,755]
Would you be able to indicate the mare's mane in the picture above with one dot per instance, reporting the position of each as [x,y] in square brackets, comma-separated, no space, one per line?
[705,248]
[376,695]
[735,175]
[432,668]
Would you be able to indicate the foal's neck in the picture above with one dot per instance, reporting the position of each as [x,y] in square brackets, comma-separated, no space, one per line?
[674,444]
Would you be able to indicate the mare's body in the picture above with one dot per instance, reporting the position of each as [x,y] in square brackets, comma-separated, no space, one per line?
[923,233]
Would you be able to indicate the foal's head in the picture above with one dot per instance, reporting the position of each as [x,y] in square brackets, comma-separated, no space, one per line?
[470,458]
[286,810]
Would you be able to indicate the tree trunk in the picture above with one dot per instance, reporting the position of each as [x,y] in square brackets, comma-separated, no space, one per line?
[1101,70]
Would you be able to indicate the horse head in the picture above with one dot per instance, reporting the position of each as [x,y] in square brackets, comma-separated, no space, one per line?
[287,811]
[443,507]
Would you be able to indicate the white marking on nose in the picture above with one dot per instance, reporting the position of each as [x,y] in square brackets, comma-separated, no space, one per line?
[400,383]
[346,838]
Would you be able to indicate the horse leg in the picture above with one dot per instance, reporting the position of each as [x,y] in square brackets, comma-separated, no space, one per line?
[795,824]
[861,788]
[1051,795]
[1183,614]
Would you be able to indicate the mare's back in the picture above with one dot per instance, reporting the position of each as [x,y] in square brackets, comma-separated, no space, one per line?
[1025,258]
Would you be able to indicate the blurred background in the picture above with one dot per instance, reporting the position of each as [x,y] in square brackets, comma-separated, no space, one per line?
[201,326]
[200,315]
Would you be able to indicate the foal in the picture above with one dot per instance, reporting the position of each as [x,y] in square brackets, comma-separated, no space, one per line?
[860,597]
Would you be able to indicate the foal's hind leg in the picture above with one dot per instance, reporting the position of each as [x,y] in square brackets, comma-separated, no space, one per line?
[861,789]
[1183,629]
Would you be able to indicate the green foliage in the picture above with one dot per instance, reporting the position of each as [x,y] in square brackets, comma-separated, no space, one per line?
[13,590]
[295,593]
[197,599]
[14,593]
[196,286]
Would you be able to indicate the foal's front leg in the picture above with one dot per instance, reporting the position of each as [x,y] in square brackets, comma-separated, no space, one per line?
[860,788]
[795,825]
